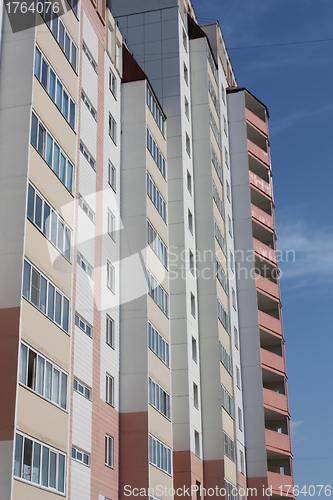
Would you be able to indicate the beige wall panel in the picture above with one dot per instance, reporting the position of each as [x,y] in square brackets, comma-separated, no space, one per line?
[157,176]
[213,109]
[220,255]
[217,182]
[228,424]
[157,134]
[158,318]
[56,57]
[41,252]
[26,491]
[224,299]
[51,187]
[157,268]
[224,337]
[54,120]
[160,478]
[159,371]
[43,420]
[230,470]
[219,219]
[160,426]
[216,146]
[157,221]
[42,334]
[226,379]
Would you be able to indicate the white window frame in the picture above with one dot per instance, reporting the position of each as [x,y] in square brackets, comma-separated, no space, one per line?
[109,450]
[110,276]
[109,389]
[110,331]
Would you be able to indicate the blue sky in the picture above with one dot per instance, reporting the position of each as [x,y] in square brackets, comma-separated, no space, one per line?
[295,81]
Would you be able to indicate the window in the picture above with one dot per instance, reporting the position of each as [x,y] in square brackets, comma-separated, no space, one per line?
[43,294]
[217,164]
[228,402]
[74,4]
[185,74]
[223,93]
[158,398]
[225,127]
[158,344]
[222,277]
[236,338]
[110,277]
[159,454]
[191,262]
[90,57]
[112,128]
[50,81]
[109,331]
[156,197]
[234,305]
[111,225]
[88,156]
[112,175]
[82,388]
[220,238]
[88,104]
[240,419]
[215,129]
[42,376]
[80,456]
[157,244]
[197,443]
[111,41]
[83,325]
[155,109]
[242,464]
[54,156]
[63,37]
[225,359]
[85,207]
[43,216]
[230,225]
[192,305]
[84,265]
[231,490]
[108,450]
[190,221]
[157,293]
[229,447]
[195,395]
[218,201]
[213,96]
[184,40]
[232,262]
[228,190]
[156,153]
[189,182]
[38,463]
[113,83]
[187,109]
[194,349]
[109,389]
[237,377]
[223,316]
[188,145]
[119,49]
[226,157]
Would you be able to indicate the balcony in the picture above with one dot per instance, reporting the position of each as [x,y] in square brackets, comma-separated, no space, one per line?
[278,481]
[267,286]
[270,324]
[272,361]
[260,184]
[257,152]
[256,121]
[277,441]
[264,251]
[275,401]
[262,217]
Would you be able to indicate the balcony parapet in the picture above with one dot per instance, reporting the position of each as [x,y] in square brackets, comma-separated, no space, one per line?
[260,184]
[264,251]
[256,121]
[270,324]
[276,441]
[272,361]
[280,482]
[258,153]
[275,401]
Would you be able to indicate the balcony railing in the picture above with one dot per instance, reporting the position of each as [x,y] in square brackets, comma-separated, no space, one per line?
[272,361]
[280,482]
[275,401]
[264,251]
[277,441]
[262,217]
[260,184]
[267,322]
[256,121]
[258,152]
[267,286]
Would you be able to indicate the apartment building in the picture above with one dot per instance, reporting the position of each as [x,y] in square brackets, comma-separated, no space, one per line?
[140,346]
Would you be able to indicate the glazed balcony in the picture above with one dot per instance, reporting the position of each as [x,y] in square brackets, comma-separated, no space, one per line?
[264,251]
[272,361]
[270,324]
[275,401]
[277,441]
[262,217]
[276,481]
[260,184]
[256,121]
[258,152]
[267,287]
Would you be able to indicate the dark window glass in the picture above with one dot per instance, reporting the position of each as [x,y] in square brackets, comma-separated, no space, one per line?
[52,84]
[63,391]
[56,154]
[73,58]
[57,315]
[18,455]
[38,58]
[50,302]
[69,183]
[65,319]
[67,46]
[59,95]
[42,298]
[45,466]
[23,364]
[35,283]
[27,459]
[72,114]
[38,212]
[55,25]
[61,473]
[36,463]
[41,139]
[62,173]
[49,147]
[44,73]
[31,379]
[65,105]
[31,202]
[34,126]
[26,280]
[61,35]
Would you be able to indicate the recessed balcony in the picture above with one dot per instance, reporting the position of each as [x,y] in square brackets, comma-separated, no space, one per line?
[270,324]
[262,218]
[257,152]
[272,361]
[271,343]
[280,481]
[275,401]
[256,121]
[267,287]
[264,251]
[259,183]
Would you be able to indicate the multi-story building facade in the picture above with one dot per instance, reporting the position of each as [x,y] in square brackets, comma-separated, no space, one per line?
[141,345]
